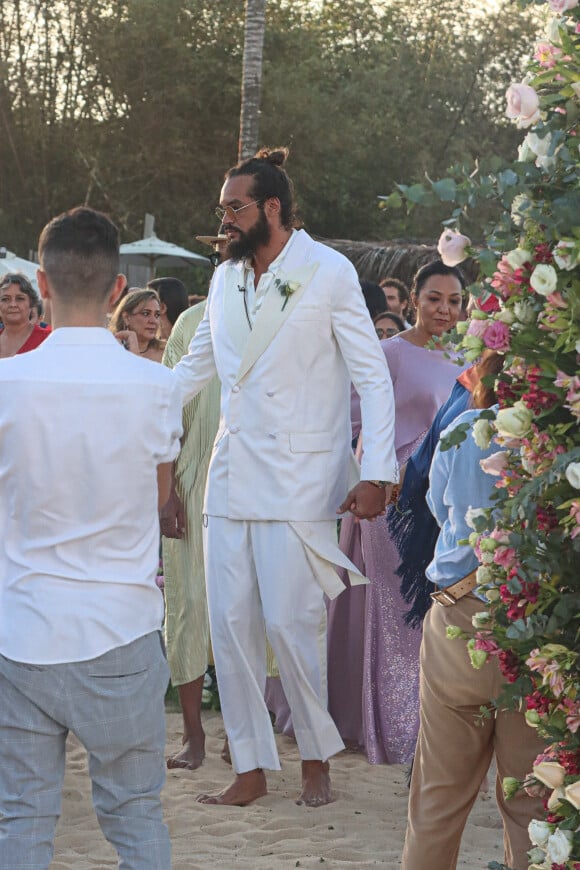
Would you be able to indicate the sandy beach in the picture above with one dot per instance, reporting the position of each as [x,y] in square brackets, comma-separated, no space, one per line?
[363,828]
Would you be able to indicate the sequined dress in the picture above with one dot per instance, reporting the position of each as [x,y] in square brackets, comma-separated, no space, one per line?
[369,642]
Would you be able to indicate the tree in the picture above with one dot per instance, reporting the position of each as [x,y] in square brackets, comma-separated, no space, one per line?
[252,77]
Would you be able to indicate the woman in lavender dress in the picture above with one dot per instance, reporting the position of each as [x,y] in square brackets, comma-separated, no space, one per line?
[380,654]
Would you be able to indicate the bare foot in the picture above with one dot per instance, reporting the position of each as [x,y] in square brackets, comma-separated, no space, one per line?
[225,753]
[315,784]
[245,788]
[190,756]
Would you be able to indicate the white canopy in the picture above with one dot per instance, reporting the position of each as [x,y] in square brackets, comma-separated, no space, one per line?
[153,252]
[11,263]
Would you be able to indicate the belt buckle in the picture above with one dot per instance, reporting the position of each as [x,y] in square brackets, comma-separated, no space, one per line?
[443,598]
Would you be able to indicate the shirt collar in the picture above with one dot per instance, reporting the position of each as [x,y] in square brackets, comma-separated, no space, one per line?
[275,264]
[84,335]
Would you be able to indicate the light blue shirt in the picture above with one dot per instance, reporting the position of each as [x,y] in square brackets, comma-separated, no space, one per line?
[456,483]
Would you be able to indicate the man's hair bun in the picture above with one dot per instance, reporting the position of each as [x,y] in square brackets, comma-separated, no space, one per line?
[275,156]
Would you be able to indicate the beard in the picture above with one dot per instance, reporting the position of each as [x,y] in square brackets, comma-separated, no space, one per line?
[248,243]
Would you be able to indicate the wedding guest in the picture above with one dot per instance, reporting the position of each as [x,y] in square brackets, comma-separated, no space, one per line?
[456,743]
[18,332]
[397,297]
[374,297]
[137,317]
[173,299]
[87,435]
[373,665]
[387,324]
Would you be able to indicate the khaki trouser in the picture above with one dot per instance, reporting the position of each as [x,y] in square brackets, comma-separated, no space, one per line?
[455,747]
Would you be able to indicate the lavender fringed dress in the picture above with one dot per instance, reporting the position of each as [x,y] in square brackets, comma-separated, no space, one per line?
[373,656]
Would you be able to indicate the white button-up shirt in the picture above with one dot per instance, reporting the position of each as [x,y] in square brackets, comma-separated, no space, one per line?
[83,426]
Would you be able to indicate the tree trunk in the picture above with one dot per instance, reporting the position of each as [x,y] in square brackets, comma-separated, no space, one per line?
[252,78]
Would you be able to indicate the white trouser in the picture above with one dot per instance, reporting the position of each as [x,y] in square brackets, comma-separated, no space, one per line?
[258,575]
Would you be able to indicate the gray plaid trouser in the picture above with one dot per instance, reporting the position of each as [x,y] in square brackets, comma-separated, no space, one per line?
[114,704]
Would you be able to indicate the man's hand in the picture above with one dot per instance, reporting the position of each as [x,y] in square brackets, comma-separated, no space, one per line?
[172,516]
[366,501]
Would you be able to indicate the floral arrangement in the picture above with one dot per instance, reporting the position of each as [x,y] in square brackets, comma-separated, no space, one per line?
[528,309]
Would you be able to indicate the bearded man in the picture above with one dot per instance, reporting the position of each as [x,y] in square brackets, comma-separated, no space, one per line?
[286,329]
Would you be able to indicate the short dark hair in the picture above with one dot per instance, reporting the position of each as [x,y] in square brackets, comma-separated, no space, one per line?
[399,286]
[23,283]
[374,297]
[79,251]
[398,321]
[270,179]
[435,267]
[173,294]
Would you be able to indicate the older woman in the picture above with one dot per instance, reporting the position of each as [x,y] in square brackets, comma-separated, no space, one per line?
[136,321]
[18,334]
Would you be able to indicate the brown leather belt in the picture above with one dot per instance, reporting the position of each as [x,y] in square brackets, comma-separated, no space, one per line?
[452,594]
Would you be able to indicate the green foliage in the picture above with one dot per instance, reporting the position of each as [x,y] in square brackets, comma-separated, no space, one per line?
[133,106]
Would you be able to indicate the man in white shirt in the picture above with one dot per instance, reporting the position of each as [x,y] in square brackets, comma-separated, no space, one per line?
[286,329]
[88,432]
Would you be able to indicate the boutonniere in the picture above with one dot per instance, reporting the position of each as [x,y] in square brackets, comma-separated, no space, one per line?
[286,288]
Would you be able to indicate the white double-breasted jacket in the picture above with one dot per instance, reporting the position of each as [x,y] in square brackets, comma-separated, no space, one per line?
[283,448]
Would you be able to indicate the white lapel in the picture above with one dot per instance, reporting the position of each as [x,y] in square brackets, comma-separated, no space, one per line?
[276,307]
[234,312]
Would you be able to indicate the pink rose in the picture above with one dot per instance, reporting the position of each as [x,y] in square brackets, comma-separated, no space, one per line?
[497,336]
[523,105]
[561,6]
[505,557]
[477,328]
[451,247]
[495,464]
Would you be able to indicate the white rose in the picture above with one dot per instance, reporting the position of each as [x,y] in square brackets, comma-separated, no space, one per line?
[550,773]
[525,153]
[505,316]
[555,799]
[452,247]
[524,312]
[473,514]
[544,279]
[481,619]
[483,575]
[572,794]
[523,105]
[482,433]
[514,422]
[573,474]
[519,256]
[560,846]
[539,832]
[543,148]
[566,254]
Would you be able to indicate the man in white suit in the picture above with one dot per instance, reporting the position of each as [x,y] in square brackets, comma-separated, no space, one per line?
[286,329]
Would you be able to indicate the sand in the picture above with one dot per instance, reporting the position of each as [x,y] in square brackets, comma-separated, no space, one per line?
[363,828]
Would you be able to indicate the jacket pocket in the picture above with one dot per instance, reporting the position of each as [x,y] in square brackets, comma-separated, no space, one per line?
[310,442]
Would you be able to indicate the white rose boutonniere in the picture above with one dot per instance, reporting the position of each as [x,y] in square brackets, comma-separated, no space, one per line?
[286,288]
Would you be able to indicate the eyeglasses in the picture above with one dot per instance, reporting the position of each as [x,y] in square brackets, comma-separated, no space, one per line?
[146,312]
[387,332]
[231,212]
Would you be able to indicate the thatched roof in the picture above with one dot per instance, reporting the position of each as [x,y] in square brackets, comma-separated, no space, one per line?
[396,258]
[374,261]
